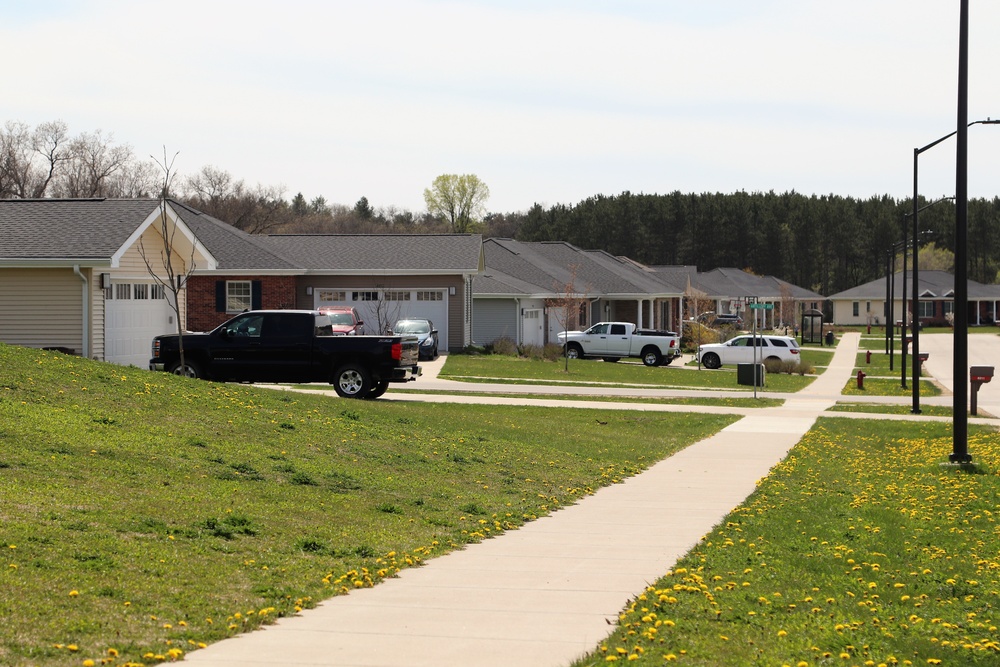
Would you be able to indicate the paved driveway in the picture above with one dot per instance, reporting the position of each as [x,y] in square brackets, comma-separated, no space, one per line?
[984,350]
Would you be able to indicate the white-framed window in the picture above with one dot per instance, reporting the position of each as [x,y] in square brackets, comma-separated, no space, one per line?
[430,296]
[123,291]
[364,296]
[326,295]
[157,291]
[926,309]
[949,306]
[140,291]
[397,296]
[238,296]
[854,307]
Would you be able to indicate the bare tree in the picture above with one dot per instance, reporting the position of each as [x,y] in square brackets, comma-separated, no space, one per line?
[92,162]
[31,159]
[175,270]
[568,306]
[136,180]
[385,311]
[255,210]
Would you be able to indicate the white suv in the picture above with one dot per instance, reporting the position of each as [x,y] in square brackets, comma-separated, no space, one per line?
[740,350]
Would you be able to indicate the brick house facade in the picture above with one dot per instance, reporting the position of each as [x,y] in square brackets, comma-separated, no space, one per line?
[206,297]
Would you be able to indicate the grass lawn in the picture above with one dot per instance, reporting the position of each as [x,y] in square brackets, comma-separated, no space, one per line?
[879,364]
[882,386]
[748,402]
[925,410]
[144,515]
[498,368]
[858,549]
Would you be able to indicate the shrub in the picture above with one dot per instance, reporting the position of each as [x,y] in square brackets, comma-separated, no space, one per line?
[503,346]
[533,352]
[553,352]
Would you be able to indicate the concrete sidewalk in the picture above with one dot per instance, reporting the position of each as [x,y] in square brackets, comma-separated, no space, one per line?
[550,591]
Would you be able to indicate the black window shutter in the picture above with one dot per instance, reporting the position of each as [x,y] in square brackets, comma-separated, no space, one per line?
[220,296]
[255,294]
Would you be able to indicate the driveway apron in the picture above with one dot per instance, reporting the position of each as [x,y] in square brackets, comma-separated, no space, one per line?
[550,591]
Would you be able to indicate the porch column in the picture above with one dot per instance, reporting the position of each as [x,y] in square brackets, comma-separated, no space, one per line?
[639,319]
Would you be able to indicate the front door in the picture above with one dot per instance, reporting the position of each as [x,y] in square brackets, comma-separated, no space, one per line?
[532,331]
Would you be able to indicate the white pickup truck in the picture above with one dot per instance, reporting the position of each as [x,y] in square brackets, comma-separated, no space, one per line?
[612,341]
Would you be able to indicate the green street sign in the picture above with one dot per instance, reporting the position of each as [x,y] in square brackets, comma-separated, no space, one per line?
[761,306]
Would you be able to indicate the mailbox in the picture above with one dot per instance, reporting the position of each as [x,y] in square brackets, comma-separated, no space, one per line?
[981,373]
[978,375]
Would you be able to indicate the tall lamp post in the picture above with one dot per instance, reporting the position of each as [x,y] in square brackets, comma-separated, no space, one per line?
[915,293]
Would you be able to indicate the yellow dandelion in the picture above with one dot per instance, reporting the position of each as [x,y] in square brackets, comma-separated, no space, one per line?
[73,594]
[88,663]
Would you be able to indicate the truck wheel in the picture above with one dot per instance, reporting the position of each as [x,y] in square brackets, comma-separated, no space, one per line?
[574,351]
[378,389]
[711,360]
[352,381]
[651,356]
[189,370]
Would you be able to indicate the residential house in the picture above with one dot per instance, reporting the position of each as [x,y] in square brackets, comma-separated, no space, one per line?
[866,304]
[86,276]
[524,286]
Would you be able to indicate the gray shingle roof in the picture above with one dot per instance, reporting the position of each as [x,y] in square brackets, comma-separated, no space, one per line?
[91,230]
[931,284]
[551,265]
[234,249]
[394,253]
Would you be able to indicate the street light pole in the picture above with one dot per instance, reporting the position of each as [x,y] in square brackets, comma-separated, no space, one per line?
[960,430]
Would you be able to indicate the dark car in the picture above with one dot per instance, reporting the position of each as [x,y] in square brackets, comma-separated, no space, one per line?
[424,331]
[721,320]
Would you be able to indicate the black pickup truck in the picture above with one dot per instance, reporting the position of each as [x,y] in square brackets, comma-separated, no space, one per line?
[291,346]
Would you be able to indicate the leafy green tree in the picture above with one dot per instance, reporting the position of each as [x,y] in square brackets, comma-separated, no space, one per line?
[460,199]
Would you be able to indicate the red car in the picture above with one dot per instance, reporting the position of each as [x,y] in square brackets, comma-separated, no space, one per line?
[345,319]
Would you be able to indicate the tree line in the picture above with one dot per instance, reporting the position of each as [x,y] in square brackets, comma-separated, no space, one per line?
[827,243]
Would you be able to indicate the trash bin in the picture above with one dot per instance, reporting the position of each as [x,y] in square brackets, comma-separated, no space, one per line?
[829,338]
[745,374]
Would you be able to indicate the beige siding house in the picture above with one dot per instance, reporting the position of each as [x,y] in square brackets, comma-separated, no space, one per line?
[74,275]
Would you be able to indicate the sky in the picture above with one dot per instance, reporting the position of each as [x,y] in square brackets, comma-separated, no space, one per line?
[546,101]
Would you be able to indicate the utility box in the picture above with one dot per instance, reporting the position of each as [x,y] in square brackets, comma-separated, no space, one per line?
[745,374]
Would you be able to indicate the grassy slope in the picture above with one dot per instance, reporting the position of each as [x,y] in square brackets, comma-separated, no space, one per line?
[142,513]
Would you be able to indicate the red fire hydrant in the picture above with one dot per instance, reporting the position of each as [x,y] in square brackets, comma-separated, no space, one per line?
[861,379]
[868,357]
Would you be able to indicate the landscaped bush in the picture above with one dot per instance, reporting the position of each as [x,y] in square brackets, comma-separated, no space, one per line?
[790,367]
[533,352]
[504,346]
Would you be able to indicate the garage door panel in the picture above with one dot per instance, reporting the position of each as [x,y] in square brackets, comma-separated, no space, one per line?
[394,304]
[131,323]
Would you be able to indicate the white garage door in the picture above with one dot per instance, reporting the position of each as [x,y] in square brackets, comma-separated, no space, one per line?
[388,305]
[133,314]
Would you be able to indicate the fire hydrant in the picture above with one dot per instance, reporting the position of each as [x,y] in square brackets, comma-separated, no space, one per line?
[861,379]
[868,356]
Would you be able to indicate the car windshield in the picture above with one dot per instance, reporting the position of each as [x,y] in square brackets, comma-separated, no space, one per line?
[416,327]
[342,318]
